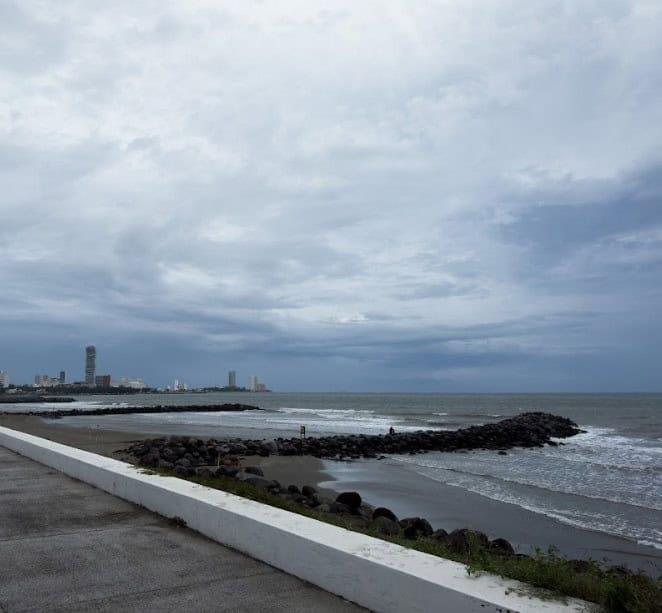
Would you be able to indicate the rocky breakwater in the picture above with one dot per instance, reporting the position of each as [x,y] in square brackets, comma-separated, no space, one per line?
[204,408]
[31,399]
[525,430]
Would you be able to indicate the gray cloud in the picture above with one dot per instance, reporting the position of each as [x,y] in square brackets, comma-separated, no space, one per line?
[396,198]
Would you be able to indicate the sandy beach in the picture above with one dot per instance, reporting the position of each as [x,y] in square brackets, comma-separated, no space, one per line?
[383,484]
[298,471]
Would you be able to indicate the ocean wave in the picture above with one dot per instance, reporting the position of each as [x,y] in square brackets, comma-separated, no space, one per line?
[323,412]
[495,489]
[549,488]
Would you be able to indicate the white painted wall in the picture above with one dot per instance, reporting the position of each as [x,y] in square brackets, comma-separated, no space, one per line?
[378,575]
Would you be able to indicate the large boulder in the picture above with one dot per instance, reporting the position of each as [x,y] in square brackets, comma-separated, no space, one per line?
[350,499]
[308,490]
[338,508]
[270,447]
[185,462]
[414,527]
[501,547]
[261,482]
[227,471]
[254,470]
[384,512]
[386,526]
[465,540]
[440,535]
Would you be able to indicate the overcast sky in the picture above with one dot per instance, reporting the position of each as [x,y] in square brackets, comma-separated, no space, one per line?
[391,195]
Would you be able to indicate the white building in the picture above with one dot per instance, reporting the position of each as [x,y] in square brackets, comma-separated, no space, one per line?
[252,383]
[136,384]
[179,386]
[4,378]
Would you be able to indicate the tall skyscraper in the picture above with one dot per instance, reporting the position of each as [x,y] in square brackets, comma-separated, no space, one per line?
[252,383]
[4,378]
[232,379]
[90,364]
[63,377]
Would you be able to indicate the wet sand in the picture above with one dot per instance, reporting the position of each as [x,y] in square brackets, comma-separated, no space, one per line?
[408,494]
[385,484]
[97,440]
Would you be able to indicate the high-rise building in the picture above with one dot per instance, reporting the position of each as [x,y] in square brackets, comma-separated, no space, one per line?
[63,377]
[4,378]
[252,383]
[90,364]
[232,379]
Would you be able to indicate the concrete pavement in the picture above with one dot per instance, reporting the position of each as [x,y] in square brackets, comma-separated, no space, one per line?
[67,546]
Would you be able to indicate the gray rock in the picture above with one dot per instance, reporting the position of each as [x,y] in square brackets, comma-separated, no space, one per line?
[350,499]
[307,490]
[386,526]
[254,470]
[384,512]
[502,547]
[227,471]
[440,535]
[465,540]
[339,507]
[414,527]
[261,482]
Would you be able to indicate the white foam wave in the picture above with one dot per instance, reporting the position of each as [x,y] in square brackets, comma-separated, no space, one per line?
[607,520]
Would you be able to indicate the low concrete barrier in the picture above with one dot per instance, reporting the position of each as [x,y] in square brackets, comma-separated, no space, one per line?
[373,573]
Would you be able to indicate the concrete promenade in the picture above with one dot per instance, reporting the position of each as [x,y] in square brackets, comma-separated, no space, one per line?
[67,546]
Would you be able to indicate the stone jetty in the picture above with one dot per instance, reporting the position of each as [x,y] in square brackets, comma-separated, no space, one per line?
[525,430]
[204,408]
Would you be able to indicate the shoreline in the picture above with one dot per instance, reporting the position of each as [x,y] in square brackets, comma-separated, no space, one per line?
[384,483]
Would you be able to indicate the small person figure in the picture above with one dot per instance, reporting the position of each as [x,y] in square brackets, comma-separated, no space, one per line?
[391,430]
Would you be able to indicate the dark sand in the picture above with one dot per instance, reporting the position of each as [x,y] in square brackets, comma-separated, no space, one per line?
[385,484]
[297,471]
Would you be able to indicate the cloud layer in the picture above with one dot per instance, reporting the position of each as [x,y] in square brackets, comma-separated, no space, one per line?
[377,195]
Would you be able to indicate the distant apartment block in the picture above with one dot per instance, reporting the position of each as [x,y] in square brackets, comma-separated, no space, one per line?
[63,377]
[232,378]
[102,380]
[46,381]
[4,379]
[90,364]
[254,384]
[179,386]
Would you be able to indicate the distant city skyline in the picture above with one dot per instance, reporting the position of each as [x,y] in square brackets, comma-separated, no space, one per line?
[108,381]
